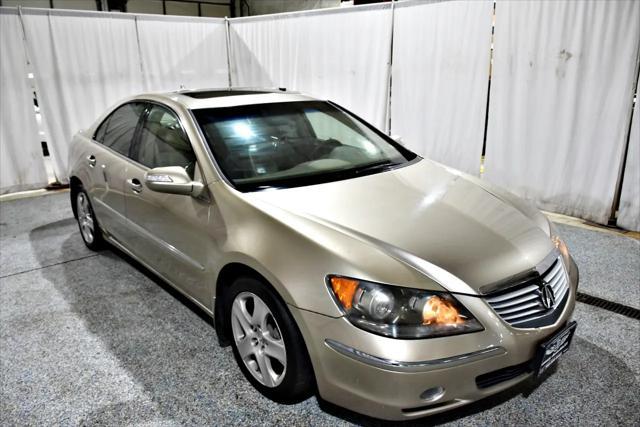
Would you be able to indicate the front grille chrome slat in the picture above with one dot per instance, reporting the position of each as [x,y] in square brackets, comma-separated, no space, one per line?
[524,315]
[514,294]
[524,305]
[554,276]
[520,307]
[512,302]
[562,293]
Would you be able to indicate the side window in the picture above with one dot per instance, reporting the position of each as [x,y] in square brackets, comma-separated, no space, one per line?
[120,127]
[163,142]
[102,129]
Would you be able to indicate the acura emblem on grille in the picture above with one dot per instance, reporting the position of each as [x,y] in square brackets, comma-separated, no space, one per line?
[547,296]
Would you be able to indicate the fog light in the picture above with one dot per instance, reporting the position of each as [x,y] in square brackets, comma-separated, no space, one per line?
[433,393]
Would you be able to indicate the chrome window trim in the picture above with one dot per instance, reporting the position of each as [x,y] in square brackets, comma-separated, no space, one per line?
[421,366]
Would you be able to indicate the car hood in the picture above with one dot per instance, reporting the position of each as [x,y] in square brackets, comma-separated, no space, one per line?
[455,228]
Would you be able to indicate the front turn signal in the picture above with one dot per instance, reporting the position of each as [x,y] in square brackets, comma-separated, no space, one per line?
[344,289]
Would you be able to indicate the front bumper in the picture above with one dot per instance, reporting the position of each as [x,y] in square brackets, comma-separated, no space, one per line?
[393,390]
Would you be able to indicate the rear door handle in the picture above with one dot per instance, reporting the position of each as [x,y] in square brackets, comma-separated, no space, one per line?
[92,161]
[135,185]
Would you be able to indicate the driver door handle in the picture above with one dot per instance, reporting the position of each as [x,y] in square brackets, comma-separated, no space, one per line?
[135,185]
[92,161]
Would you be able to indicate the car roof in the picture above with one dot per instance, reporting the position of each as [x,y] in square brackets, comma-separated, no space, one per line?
[229,97]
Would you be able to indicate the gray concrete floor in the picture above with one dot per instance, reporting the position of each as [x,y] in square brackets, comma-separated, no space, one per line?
[93,339]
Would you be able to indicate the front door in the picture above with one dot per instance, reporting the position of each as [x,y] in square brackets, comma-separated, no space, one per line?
[169,232]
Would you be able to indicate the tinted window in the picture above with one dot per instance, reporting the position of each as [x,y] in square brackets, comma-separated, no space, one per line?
[295,143]
[163,142]
[120,127]
[102,129]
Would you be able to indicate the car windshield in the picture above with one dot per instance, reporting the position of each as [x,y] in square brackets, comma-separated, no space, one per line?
[292,144]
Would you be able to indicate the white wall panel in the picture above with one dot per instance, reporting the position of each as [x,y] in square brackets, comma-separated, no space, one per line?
[560,101]
[338,54]
[441,54]
[83,63]
[183,52]
[21,161]
[629,211]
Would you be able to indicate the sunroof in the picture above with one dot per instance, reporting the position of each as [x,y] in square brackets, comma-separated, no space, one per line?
[220,93]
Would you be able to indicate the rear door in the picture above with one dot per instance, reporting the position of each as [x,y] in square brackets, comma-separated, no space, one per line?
[169,232]
[108,162]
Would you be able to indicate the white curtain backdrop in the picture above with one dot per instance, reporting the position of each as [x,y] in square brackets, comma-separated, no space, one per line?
[560,101]
[180,52]
[441,54]
[83,63]
[337,54]
[21,161]
[629,211]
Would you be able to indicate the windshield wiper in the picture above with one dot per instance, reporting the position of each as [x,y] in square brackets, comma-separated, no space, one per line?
[372,167]
[318,178]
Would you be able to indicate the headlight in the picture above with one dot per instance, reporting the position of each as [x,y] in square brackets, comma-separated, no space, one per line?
[558,242]
[399,312]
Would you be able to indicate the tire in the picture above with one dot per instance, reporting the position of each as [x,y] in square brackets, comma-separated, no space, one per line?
[258,340]
[87,222]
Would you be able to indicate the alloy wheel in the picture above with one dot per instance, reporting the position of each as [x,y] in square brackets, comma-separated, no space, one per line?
[258,339]
[85,219]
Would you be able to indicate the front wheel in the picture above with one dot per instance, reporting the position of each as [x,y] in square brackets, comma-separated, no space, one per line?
[267,344]
[89,228]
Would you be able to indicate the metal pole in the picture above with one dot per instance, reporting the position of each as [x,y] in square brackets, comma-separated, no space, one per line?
[227,29]
[390,68]
[613,216]
[24,36]
[486,111]
[144,81]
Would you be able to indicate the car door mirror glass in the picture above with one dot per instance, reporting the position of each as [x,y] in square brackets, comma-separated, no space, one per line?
[172,180]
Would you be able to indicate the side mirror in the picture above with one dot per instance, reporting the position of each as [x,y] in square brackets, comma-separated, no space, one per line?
[172,180]
[398,139]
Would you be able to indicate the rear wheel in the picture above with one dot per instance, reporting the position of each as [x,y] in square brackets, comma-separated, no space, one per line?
[267,344]
[89,228]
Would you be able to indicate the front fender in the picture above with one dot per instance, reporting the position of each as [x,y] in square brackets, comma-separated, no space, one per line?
[295,253]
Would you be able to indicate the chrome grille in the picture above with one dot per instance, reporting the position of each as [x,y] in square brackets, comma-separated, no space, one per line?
[521,305]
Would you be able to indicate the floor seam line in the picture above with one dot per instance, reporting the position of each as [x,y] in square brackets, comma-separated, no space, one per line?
[47,266]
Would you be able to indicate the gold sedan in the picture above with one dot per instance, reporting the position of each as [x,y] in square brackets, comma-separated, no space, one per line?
[333,259]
